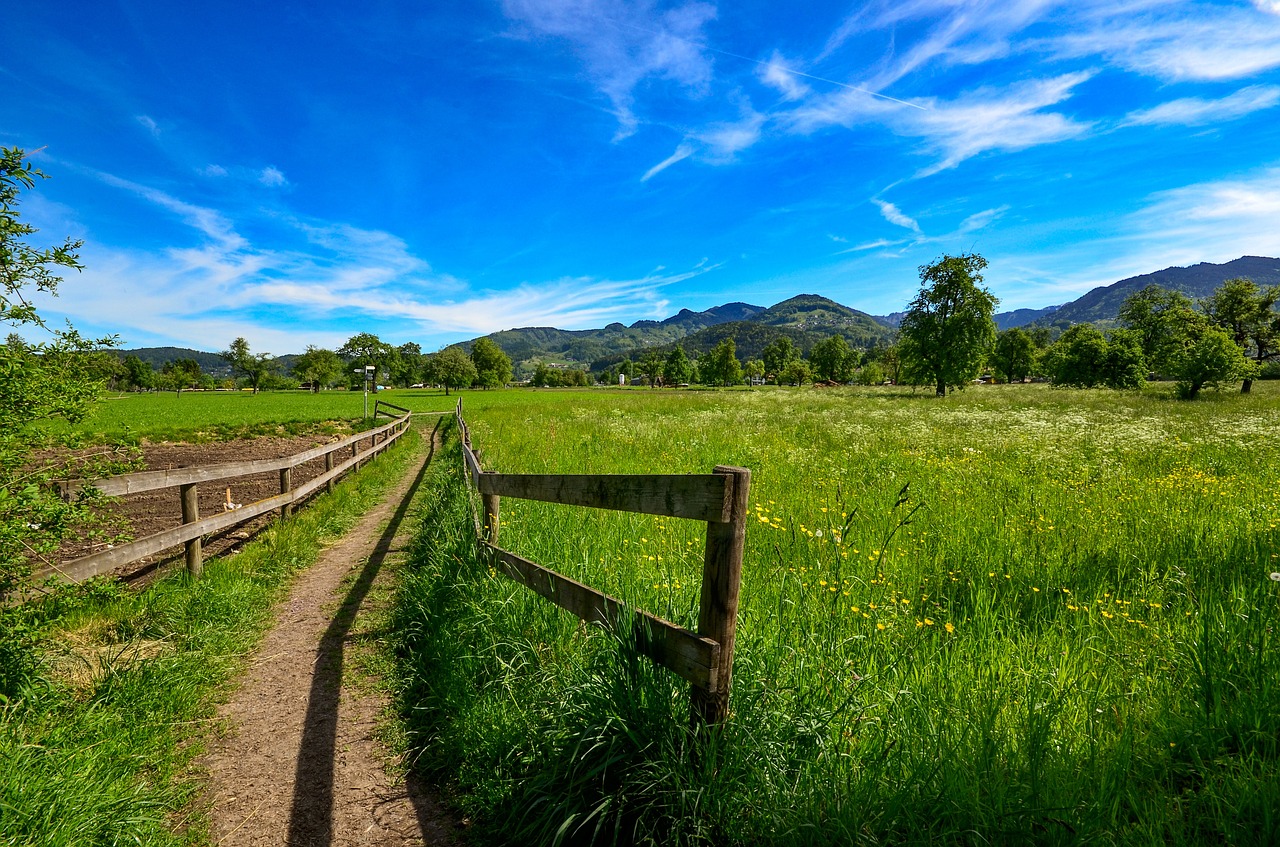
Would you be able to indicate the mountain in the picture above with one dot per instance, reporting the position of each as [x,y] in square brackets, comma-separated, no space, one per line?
[1196,281]
[1022,317]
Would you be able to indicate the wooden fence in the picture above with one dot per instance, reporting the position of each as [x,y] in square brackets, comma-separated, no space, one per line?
[704,658]
[186,480]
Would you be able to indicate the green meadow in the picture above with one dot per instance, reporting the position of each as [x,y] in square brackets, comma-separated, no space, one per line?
[1014,615]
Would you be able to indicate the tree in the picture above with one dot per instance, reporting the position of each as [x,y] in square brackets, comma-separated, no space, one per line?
[753,370]
[493,367]
[1014,356]
[181,374]
[40,383]
[795,373]
[453,369]
[832,360]
[1182,343]
[1084,358]
[1248,314]
[948,328]
[720,366]
[777,354]
[650,367]
[138,375]
[362,350]
[253,367]
[677,370]
[319,368]
[406,365]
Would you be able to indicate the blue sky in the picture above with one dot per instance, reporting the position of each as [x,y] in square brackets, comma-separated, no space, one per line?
[429,172]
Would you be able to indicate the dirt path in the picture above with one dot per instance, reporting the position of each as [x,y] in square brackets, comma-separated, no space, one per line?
[301,765]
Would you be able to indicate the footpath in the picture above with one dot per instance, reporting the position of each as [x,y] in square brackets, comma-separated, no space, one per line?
[301,764]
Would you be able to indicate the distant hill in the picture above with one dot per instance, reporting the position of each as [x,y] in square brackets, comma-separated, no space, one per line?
[1103,303]
[1023,317]
[158,357]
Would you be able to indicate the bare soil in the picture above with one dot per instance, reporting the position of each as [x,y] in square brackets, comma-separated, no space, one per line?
[300,764]
[140,515]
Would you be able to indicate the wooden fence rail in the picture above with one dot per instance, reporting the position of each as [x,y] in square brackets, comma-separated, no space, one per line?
[186,480]
[704,658]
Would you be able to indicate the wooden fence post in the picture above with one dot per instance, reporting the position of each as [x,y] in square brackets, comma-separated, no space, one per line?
[721,581]
[191,514]
[328,467]
[491,507]
[286,485]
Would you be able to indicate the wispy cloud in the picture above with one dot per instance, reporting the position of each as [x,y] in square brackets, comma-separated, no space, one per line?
[622,44]
[682,152]
[777,73]
[894,215]
[272,177]
[149,124]
[1195,111]
[218,284]
[981,220]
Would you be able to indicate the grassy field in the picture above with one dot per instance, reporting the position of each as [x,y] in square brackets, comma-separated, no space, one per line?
[1016,615]
[221,415]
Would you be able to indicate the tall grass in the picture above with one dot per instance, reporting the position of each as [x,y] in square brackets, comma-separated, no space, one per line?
[1014,615]
[97,748]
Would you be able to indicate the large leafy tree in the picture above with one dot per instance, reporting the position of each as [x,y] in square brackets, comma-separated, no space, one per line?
[720,366]
[493,366]
[40,382]
[453,369]
[677,370]
[1181,343]
[1248,314]
[777,354]
[254,367]
[650,367]
[319,368]
[1085,358]
[1014,355]
[832,360]
[948,328]
[364,349]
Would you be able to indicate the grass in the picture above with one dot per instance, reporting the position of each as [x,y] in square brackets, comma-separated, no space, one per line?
[225,415]
[98,746]
[1016,615]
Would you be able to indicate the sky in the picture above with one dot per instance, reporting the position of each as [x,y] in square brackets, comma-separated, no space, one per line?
[298,173]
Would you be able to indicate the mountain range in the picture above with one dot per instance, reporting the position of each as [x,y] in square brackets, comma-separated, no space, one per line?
[806,319]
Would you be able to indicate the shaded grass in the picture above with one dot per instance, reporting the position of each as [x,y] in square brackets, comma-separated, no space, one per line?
[98,747]
[1016,615]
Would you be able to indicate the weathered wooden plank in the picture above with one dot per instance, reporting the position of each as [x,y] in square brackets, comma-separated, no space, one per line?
[721,582]
[684,653]
[383,404]
[136,483]
[473,465]
[700,497]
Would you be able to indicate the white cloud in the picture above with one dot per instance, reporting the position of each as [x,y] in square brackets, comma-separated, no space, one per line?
[212,170]
[272,177]
[149,124]
[682,152]
[1194,111]
[894,215]
[724,140]
[981,220]
[1174,42]
[217,285]
[1270,6]
[622,44]
[777,73]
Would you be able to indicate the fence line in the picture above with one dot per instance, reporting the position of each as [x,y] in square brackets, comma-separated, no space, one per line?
[194,527]
[704,658]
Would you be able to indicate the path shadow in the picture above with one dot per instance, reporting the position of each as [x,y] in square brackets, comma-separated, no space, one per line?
[311,813]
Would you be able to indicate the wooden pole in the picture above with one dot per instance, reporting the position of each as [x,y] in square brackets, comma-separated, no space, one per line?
[286,485]
[191,514]
[721,581]
[491,507]
[328,466]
